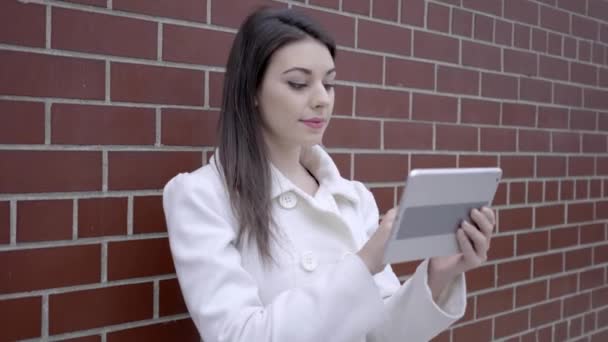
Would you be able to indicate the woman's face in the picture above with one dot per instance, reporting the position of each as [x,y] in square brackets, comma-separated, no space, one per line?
[296,96]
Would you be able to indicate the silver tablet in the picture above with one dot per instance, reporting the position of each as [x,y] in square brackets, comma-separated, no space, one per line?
[433,204]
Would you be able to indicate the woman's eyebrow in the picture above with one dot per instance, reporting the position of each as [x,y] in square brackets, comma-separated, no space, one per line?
[307,71]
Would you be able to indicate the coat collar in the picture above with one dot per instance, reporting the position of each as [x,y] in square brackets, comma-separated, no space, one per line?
[320,164]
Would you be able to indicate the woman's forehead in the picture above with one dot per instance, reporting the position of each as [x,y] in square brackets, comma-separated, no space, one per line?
[303,54]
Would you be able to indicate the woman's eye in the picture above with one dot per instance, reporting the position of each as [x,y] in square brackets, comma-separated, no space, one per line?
[296,85]
[329,86]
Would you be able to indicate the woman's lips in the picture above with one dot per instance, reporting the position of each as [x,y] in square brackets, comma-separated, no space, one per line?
[314,123]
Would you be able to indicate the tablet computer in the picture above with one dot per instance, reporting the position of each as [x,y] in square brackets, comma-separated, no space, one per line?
[433,204]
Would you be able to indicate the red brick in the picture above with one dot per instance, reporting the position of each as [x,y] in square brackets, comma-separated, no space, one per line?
[554,44]
[589,322]
[598,9]
[462,22]
[567,190]
[548,264]
[342,27]
[171,301]
[342,161]
[523,11]
[599,297]
[343,104]
[102,125]
[568,95]
[513,271]
[386,9]
[517,166]
[478,331]
[22,24]
[521,36]
[196,45]
[517,193]
[22,122]
[71,311]
[531,293]
[551,166]
[535,90]
[21,318]
[395,40]
[546,313]
[573,6]
[499,86]
[596,98]
[570,47]
[436,47]
[456,80]
[534,242]
[601,166]
[584,51]
[411,74]
[595,143]
[191,10]
[367,170]
[421,161]
[479,111]
[189,127]
[102,217]
[156,84]
[357,6]
[382,103]
[579,212]
[563,285]
[456,137]
[350,67]
[352,133]
[552,117]
[103,34]
[148,215]
[577,304]
[575,327]
[555,19]
[405,268]
[561,331]
[413,12]
[584,27]
[503,32]
[511,323]
[481,278]
[583,73]
[125,168]
[475,160]
[602,317]
[534,140]
[434,108]
[581,166]
[514,114]
[600,254]
[582,189]
[408,135]
[385,198]
[216,86]
[554,68]
[581,119]
[539,40]
[78,171]
[177,330]
[500,197]
[595,187]
[566,142]
[592,232]
[91,338]
[45,268]
[592,278]
[519,62]
[44,220]
[494,302]
[333,4]
[502,247]
[481,56]
[438,18]
[549,215]
[86,77]
[535,193]
[5,222]
[498,139]
[578,259]
[564,237]
[139,258]
[551,191]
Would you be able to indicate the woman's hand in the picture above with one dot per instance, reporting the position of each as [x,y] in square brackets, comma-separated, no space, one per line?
[372,253]
[474,245]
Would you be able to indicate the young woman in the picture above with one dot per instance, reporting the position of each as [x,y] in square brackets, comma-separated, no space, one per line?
[270,243]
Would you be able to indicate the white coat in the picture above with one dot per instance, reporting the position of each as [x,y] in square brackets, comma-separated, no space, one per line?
[318,290]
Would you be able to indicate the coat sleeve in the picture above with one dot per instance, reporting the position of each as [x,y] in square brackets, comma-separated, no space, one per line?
[222,297]
[411,314]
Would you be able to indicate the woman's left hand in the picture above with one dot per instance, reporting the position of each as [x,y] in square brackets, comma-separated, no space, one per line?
[474,245]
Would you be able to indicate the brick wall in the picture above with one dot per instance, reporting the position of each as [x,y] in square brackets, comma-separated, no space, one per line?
[102,101]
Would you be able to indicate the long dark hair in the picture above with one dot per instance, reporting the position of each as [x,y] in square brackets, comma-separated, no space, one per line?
[242,150]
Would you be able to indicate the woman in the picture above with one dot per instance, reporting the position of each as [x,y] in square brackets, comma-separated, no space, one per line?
[269,242]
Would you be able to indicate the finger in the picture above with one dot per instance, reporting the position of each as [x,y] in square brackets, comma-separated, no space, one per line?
[480,243]
[489,214]
[482,221]
[465,246]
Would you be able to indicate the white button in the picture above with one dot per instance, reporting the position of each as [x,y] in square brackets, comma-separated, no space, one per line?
[309,261]
[288,200]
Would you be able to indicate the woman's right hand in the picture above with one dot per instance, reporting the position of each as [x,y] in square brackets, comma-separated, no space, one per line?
[372,253]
